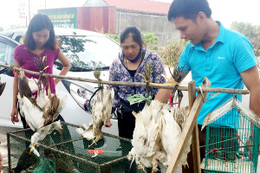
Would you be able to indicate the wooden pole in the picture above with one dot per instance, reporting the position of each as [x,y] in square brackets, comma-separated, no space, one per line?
[138,84]
[195,134]
[188,128]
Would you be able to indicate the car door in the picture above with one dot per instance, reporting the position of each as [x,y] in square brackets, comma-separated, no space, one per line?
[7,47]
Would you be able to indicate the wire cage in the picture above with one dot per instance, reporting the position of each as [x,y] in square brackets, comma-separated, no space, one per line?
[68,152]
[232,148]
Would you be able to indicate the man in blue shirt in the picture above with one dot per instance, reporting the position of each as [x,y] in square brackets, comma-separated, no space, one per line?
[224,56]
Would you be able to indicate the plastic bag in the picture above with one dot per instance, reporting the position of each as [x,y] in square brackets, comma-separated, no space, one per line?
[45,165]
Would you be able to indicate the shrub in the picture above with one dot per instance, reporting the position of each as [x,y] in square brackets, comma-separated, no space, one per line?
[170,54]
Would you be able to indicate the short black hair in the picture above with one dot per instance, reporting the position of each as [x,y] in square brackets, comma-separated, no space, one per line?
[188,9]
[135,33]
[38,23]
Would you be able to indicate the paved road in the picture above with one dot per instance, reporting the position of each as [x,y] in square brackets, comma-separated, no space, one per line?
[3,145]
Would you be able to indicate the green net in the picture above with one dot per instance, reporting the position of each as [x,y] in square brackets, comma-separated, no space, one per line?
[69,152]
[232,149]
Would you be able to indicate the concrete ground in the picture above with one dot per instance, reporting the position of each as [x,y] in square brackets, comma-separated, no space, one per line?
[3,146]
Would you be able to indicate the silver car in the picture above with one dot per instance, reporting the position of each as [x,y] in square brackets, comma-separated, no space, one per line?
[85,50]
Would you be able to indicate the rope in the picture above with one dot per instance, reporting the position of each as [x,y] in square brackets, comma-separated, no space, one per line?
[89,101]
[170,80]
[138,98]
[146,80]
[202,94]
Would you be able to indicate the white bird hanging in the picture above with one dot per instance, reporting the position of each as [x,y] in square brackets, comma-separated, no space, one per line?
[146,151]
[39,113]
[101,112]
[173,123]
[156,134]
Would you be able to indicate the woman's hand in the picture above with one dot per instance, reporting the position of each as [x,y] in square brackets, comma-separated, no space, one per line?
[14,115]
[108,124]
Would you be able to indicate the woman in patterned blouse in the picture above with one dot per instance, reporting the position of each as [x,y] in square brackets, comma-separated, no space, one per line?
[126,68]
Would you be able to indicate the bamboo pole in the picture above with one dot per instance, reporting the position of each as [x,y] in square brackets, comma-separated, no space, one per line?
[187,129]
[195,146]
[137,84]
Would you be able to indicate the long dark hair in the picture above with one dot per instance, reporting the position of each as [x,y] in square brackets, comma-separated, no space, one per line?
[135,33]
[38,23]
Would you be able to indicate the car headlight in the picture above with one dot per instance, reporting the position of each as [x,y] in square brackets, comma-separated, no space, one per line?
[80,94]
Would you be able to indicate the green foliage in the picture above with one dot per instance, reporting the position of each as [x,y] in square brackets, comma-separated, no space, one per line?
[114,37]
[170,54]
[251,31]
[150,40]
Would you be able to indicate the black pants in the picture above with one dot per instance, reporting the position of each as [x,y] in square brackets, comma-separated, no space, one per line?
[126,125]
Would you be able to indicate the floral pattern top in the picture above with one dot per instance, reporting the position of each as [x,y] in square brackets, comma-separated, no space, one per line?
[118,72]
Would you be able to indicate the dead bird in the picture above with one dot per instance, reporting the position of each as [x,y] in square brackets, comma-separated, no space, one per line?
[101,112]
[41,112]
[25,88]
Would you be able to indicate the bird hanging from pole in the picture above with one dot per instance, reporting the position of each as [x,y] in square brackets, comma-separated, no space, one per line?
[39,111]
[101,112]
[178,75]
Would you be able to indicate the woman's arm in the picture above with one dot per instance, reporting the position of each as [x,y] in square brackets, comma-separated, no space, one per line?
[66,66]
[14,113]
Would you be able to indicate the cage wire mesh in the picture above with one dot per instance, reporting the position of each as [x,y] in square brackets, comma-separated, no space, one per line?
[69,152]
[232,149]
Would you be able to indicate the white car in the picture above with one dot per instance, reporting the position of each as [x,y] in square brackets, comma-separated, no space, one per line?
[85,50]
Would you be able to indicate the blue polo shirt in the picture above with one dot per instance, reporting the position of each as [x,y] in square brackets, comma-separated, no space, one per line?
[222,63]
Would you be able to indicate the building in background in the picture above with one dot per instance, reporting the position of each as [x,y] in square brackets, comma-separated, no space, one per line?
[112,16]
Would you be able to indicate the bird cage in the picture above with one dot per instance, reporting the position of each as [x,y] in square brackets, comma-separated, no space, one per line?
[232,139]
[70,152]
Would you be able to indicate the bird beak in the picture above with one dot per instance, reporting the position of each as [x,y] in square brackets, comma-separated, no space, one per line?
[31,148]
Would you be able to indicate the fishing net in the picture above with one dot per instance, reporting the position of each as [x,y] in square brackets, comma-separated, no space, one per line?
[69,152]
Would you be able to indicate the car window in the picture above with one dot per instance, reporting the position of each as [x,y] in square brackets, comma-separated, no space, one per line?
[88,52]
[6,53]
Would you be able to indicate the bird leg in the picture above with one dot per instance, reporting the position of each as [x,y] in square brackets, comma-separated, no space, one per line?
[32,145]
[97,138]
[60,132]
[31,148]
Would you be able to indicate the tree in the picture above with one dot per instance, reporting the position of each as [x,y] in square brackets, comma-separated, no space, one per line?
[252,32]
